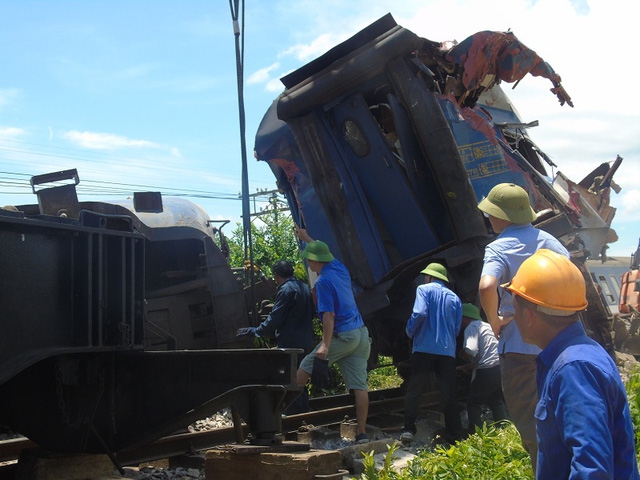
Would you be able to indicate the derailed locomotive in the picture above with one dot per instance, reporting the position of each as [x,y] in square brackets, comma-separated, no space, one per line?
[384,146]
[118,324]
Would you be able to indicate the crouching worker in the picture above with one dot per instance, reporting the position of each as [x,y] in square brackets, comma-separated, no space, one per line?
[345,338]
[290,322]
[480,347]
[584,427]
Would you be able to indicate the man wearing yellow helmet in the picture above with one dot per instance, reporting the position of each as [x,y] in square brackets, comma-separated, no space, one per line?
[584,428]
[509,211]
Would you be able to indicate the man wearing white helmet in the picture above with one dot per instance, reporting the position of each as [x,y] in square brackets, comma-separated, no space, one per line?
[509,211]
[584,426]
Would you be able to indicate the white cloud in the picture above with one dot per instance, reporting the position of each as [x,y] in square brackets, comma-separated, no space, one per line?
[110,141]
[105,141]
[309,51]
[274,85]
[8,133]
[628,204]
[263,75]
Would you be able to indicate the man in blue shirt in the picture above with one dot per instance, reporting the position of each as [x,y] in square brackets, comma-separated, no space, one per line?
[290,321]
[509,211]
[584,426]
[433,328]
[345,338]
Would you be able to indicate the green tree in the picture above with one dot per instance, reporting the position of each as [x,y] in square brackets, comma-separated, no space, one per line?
[272,240]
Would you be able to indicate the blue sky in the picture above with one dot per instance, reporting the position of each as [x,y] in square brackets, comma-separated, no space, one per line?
[143,92]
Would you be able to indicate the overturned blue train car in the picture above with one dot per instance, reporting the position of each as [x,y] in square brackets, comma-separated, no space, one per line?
[118,324]
[384,145]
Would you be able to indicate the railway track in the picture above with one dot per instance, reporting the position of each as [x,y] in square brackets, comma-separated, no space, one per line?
[326,411]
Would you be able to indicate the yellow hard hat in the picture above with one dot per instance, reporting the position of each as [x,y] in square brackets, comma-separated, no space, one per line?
[508,201]
[552,282]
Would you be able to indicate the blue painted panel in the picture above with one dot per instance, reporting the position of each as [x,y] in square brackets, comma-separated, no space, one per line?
[484,159]
[384,184]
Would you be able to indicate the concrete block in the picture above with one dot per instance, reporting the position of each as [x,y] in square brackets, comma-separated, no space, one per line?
[38,464]
[234,464]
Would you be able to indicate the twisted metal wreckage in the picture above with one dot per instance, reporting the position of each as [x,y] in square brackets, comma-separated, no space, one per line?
[384,145]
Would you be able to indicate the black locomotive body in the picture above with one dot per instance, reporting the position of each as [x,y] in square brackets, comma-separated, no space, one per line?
[118,324]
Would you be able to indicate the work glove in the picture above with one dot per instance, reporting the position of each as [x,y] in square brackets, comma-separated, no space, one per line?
[246,332]
[320,373]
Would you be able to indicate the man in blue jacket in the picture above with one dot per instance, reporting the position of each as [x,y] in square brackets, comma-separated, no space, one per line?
[290,321]
[584,426]
[433,328]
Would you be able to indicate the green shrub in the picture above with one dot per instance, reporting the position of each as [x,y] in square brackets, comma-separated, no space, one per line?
[386,472]
[385,376]
[490,454]
[633,394]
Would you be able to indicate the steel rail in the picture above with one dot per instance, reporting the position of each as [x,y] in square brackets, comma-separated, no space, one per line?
[326,411]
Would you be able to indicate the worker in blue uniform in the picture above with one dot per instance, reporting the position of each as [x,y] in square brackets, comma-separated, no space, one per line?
[584,426]
[433,327]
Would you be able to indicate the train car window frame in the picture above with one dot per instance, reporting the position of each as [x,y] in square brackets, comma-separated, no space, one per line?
[606,290]
[353,134]
[615,282]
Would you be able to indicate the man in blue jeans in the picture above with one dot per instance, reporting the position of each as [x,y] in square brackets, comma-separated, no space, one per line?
[345,338]
[433,328]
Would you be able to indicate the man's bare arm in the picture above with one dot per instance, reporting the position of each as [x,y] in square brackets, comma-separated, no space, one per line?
[488,292]
[328,322]
[302,234]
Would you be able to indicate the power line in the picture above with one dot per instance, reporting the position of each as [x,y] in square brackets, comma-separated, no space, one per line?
[110,158]
[101,187]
